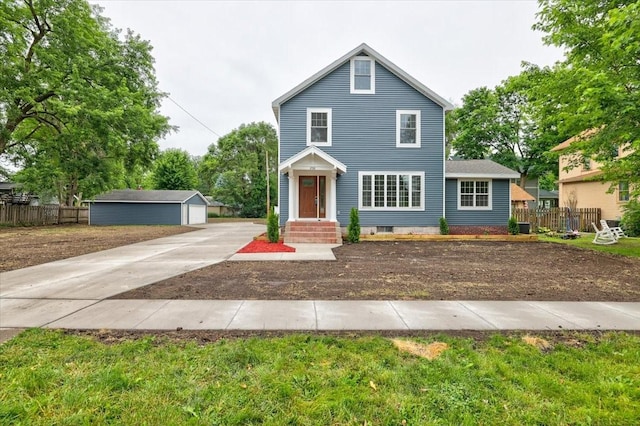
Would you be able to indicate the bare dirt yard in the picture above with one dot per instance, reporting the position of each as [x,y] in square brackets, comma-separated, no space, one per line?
[467,270]
[28,246]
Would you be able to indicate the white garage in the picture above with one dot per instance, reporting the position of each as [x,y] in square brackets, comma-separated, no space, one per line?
[196,214]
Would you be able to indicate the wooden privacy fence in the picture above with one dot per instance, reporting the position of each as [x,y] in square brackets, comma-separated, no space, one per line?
[14,214]
[559,218]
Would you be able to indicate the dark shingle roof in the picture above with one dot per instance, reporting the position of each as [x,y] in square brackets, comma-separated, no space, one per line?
[478,168]
[150,196]
[543,193]
[8,185]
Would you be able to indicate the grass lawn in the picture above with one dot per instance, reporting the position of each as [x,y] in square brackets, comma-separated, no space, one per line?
[624,246]
[49,377]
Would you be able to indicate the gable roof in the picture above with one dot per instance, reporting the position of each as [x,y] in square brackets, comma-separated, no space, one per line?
[147,196]
[519,194]
[363,48]
[312,151]
[478,169]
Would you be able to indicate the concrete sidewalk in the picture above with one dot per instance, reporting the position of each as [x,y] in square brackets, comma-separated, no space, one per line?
[310,315]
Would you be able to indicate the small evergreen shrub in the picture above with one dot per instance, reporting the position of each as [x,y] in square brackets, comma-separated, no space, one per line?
[512,226]
[353,230]
[273,227]
[631,219]
[444,226]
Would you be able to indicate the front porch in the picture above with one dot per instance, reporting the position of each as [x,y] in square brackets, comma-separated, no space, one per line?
[311,207]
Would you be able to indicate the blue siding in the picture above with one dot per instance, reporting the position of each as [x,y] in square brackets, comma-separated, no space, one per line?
[364,139]
[135,214]
[499,215]
[196,200]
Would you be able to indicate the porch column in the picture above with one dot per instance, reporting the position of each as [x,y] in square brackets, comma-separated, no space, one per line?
[333,205]
[292,194]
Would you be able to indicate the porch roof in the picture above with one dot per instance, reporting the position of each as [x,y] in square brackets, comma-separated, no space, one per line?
[312,158]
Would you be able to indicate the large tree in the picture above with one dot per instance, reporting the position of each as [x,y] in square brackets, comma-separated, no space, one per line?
[508,125]
[174,169]
[601,74]
[78,100]
[235,168]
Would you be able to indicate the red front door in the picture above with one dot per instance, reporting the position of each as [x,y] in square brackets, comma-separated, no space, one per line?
[312,195]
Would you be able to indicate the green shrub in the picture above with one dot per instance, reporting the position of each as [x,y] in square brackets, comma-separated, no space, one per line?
[353,230]
[512,226]
[444,226]
[212,214]
[273,227]
[631,219]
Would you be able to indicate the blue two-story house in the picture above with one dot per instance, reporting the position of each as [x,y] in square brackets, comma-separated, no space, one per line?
[363,133]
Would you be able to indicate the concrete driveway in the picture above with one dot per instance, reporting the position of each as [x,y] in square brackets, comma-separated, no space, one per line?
[38,295]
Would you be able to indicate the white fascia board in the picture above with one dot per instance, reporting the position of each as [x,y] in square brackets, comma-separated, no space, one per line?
[482,175]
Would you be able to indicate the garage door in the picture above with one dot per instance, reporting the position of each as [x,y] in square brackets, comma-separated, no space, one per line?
[197,214]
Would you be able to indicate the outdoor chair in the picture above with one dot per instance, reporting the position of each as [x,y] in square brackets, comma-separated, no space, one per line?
[616,230]
[604,236]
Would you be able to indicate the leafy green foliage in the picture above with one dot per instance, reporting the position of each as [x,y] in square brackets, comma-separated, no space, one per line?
[273,227]
[512,226]
[234,169]
[444,226]
[353,229]
[631,218]
[507,125]
[175,170]
[52,377]
[600,78]
[78,100]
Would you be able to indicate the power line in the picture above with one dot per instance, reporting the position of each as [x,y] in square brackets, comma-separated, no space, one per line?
[194,117]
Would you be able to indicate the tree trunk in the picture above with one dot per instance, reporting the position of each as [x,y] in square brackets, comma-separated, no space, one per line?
[523,180]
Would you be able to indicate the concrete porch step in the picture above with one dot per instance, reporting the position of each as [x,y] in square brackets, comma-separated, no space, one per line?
[321,232]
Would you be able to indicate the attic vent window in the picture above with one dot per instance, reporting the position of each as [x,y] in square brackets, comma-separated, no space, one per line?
[363,75]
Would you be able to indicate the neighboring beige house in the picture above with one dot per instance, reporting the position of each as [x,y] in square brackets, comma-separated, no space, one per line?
[582,187]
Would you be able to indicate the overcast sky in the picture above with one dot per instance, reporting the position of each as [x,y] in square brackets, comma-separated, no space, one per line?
[226,61]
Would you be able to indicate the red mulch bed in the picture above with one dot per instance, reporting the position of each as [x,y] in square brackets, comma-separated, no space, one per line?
[258,246]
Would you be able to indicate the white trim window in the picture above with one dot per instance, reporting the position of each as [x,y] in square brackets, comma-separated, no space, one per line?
[391,190]
[474,194]
[363,75]
[623,191]
[408,128]
[319,126]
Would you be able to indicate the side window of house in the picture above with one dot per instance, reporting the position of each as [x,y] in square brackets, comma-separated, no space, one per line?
[319,126]
[408,129]
[391,190]
[623,191]
[474,195]
[363,75]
